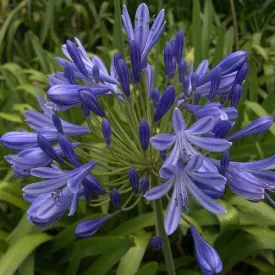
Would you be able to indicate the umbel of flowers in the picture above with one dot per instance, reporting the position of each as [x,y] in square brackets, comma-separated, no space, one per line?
[151,142]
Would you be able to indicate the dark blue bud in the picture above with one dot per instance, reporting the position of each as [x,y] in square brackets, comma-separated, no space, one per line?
[115,199]
[69,74]
[207,256]
[163,154]
[233,62]
[165,103]
[117,57]
[93,185]
[194,81]
[173,68]
[168,57]
[88,99]
[68,150]
[133,178]
[179,44]
[156,242]
[182,69]
[124,76]
[96,73]
[47,148]
[236,95]
[222,128]
[85,111]
[196,99]
[106,130]
[75,55]
[185,85]
[144,134]
[89,227]
[57,124]
[256,127]
[155,96]
[225,160]
[135,56]
[241,74]
[215,83]
[144,184]
[173,45]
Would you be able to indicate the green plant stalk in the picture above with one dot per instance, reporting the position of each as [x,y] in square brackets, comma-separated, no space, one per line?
[166,249]
[117,28]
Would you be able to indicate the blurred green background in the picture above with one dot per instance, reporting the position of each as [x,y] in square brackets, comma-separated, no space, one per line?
[31,35]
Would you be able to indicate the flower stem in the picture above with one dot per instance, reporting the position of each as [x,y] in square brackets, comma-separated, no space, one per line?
[166,249]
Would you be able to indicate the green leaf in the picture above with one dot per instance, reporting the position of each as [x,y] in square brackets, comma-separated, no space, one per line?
[18,252]
[196,31]
[133,225]
[148,269]
[10,117]
[131,261]
[105,262]
[27,267]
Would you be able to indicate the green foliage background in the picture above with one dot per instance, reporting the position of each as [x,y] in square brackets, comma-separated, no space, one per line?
[31,35]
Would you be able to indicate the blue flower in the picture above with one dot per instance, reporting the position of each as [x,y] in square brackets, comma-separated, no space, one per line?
[207,256]
[184,138]
[58,179]
[145,37]
[203,186]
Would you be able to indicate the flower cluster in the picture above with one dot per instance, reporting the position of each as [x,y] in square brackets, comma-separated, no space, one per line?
[146,141]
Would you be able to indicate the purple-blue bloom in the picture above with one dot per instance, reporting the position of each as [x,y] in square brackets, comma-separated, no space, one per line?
[203,186]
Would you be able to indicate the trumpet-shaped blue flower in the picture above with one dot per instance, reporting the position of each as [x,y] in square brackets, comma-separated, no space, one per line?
[57,179]
[203,186]
[145,37]
[184,138]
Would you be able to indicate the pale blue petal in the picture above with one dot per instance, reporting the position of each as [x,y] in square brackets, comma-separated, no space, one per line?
[162,141]
[201,126]
[178,121]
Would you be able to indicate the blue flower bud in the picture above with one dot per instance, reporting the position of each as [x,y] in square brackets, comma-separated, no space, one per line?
[215,83]
[47,148]
[179,44]
[173,68]
[68,150]
[117,57]
[225,160]
[144,134]
[207,256]
[96,73]
[241,74]
[194,81]
[75,55]
[222,128]
[182,70]
[155,96]
[163,154]
[106,130]
[236,95]
[135,56]
[88,99]
[124,76]
[133,178]
[185,85]
[89,227]
[69,74]
[57,124]
[115,199]
[165,103]
[93,185]
[168,57]
[256,127]
[156,242]
[144,184]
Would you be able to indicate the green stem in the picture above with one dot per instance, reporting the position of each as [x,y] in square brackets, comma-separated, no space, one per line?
[166,249]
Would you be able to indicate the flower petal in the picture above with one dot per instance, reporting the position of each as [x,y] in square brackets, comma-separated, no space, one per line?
[162,141]
[201,126]
[209,144]
[178,121]
[159,191]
